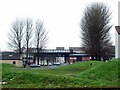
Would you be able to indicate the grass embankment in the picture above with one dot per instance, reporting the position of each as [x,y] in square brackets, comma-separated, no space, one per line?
[78,75]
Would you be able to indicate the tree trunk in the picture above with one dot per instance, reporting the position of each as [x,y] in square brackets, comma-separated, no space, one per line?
[38,56]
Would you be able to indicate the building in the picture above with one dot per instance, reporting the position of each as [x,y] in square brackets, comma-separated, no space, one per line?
[117,35]
[56,56]
[47,56]
[117,42]
[11,58]
[61,55]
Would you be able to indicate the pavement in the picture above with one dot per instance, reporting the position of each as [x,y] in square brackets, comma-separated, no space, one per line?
[45,67]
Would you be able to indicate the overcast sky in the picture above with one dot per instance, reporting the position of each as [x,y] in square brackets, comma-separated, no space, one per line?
[61,19]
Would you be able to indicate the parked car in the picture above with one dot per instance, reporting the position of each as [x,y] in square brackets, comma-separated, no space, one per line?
[57,63]
[34,65]
[49,64]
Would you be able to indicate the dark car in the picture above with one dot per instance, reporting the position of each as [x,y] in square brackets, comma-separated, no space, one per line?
[34,65]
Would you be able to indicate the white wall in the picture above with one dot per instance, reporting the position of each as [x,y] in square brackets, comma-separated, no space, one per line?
[119,25]
[116,44]
[117,37]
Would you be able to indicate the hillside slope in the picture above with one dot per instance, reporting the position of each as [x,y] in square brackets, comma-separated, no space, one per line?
[77,75]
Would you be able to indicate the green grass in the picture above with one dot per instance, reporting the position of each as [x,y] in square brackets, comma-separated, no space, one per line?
[78,75]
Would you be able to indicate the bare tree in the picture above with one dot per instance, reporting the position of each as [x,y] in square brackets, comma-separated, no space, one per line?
[95,27]
[41,38]
[28,35]
[16,35]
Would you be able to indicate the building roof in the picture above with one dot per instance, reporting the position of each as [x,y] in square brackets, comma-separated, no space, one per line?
[117,29]
[76,48]
[10,56]
[60,48]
